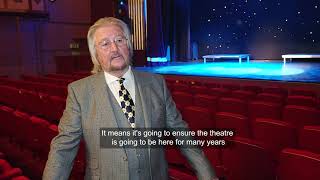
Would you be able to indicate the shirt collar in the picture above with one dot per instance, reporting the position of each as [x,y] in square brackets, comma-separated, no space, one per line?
[111,78]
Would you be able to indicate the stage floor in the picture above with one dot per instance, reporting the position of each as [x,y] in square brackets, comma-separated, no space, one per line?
[260,70]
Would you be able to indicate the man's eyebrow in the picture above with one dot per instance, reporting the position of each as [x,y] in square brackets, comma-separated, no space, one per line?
[107,39]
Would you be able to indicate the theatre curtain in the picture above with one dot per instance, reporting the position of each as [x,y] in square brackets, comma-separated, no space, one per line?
[168,24]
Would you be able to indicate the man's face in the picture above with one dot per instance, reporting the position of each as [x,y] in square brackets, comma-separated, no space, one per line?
[112,50]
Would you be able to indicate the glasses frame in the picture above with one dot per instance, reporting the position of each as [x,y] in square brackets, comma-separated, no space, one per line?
[119,41]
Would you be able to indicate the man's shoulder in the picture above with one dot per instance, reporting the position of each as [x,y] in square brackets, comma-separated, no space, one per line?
[83,82]
[148,76]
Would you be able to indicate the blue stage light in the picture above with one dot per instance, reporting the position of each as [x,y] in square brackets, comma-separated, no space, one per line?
[259,70]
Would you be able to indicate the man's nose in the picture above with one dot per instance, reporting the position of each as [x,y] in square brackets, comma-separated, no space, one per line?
[113,46]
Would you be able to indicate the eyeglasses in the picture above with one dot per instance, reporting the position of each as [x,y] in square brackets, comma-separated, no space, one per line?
[119,41]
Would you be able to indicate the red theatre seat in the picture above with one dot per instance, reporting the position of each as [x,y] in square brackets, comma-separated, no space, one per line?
[301,116]
[249,160]
[198,117]
[206,101]
[303,92]
[301,101]
[6,121]
[239,123]
[243,94]
[232,105]
[52,132]
[231,87]
[298,164]
[309,138]
[180,87]
[23,127]
[219,92]
[37,137]
[211,84]
[54,107]
[199,90]
[276,90]
[175,158]
[255,89]
[269,97]
[182,98]
[176,174]
[275,134]
[7,171]
[20,178]
[259,109]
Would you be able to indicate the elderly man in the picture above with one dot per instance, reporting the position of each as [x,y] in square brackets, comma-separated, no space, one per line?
[116,96]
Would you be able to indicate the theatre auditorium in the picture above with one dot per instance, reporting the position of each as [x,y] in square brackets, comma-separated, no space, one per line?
[245,76]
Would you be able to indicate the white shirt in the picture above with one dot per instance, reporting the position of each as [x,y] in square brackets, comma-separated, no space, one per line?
[114,85]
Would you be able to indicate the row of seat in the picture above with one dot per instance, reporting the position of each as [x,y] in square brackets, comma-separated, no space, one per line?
[31,151]
[188,97]
[26,140]
[38,104]
[46,88]
[210,105]
[249,159]
[7,172]
[275,132]
[192,86]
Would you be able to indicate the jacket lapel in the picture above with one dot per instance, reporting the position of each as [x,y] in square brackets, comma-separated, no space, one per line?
[106,113]
[143,86]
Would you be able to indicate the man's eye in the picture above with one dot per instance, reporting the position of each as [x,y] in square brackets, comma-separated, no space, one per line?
[104,44]
[119,40]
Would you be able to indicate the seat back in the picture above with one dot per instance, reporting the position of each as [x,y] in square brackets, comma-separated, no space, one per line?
[275,134]
[298,164]
[249,160]
[309,137]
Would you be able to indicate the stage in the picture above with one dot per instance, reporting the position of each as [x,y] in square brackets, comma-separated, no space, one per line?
[304,72]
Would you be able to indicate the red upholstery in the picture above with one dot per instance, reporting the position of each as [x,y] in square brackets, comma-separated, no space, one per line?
[232,105]
[198,117]
[231,87]
[237,122]
[52,131]
[180,87]
[175,174]
[243,94]
[259,109]
[6,121]
[269,97]
[23,128]
[37,137]
[7,171]
[301,101]
[255,89]
[31,102]
[301,115]
[53,108]
[174,157]
[214,155]
[211,84]
[309,137]
[275,134]
[303,92]
[9,96]
[2,156]
[206,101]
[182,98]
[249,160]
[219,92]
[298,164]
[199,90]
[20,178]
[276,90]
